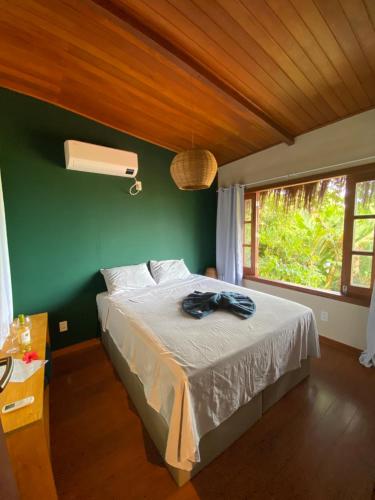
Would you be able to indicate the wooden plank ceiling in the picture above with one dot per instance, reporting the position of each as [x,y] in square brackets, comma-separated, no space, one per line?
[232,76]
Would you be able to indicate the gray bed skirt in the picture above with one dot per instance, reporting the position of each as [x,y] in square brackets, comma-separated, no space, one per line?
[216,441]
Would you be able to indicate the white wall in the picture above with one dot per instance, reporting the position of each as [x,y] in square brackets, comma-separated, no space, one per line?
[346,322]
[343,144]
[346,143]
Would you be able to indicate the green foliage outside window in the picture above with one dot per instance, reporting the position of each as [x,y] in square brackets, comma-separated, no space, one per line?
[303,246]
[301,243]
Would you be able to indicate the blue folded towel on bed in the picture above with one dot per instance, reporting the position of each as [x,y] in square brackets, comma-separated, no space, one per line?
[200,304]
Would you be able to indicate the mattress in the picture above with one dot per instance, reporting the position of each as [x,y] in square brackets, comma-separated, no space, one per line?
[197,373]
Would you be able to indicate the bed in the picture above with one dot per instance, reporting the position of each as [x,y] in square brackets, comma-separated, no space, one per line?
[199,384]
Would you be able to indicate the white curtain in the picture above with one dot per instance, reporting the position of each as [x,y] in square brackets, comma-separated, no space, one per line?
[6,302]
[229,228]
[367,358]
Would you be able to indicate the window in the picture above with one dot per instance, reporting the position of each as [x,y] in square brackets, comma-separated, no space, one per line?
[318,234]
[359,270]
[249,236]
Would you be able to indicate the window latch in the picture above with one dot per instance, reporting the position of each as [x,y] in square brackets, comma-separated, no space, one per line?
[344,289]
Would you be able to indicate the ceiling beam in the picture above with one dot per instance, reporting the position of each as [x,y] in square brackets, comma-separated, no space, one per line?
[125,14]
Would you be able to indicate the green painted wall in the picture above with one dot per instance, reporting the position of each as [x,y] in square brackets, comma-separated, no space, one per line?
[64,226]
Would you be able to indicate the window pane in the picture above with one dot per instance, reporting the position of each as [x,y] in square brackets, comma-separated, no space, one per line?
[365,198]
[361,270]
[247,234]
[248,209]
[302,246]
[247,257]
[363,236]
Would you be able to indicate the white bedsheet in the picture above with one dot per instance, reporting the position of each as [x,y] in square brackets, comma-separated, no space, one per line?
[197,373]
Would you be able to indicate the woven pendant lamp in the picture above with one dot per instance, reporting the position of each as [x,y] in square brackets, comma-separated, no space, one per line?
[194,169]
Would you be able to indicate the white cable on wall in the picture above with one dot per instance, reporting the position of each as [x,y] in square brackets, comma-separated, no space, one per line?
[135,188]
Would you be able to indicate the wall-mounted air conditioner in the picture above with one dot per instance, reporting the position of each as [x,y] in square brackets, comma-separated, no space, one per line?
[99,159]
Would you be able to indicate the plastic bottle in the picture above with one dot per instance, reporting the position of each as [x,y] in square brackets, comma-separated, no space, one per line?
[24,334]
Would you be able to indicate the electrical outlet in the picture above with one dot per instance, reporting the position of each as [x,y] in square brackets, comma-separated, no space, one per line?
[324,315]
[63,326]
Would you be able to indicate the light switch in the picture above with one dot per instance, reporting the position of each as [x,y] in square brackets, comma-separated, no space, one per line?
[324,315]
[63,326]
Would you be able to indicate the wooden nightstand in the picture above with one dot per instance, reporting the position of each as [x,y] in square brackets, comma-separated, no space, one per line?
[27,429]
[211,272]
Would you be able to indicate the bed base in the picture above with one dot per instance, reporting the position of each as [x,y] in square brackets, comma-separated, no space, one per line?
[217,440]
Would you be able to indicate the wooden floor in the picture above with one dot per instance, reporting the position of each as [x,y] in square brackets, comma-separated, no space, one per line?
[318,442]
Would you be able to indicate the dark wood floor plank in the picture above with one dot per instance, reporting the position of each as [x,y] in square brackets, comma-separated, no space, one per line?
[317,443]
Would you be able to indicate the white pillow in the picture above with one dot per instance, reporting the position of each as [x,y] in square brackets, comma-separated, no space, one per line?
[168,270]
[123,278]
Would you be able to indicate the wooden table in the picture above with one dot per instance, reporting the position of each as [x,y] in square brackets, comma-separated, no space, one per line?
[27,429]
